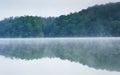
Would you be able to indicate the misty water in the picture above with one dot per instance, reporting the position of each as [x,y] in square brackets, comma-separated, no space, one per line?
[60,56]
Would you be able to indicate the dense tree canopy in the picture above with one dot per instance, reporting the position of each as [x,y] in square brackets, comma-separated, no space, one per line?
[99,20]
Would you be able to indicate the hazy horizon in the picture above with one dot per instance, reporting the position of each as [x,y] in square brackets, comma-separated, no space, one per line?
[46,8]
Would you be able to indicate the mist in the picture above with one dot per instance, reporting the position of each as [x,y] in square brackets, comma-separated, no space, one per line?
[96,52]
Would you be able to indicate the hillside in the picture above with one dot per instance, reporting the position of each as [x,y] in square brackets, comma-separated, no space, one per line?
[99,20]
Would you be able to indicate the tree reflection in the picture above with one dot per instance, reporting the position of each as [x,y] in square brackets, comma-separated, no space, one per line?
[97,53]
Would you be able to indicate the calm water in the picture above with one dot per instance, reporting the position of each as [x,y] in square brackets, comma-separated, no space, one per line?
[60,56]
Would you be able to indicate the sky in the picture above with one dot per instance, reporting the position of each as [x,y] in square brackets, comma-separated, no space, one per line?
[45,8]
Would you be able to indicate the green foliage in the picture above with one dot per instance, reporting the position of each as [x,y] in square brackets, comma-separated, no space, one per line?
[99,20]
[27,26]
[94,21]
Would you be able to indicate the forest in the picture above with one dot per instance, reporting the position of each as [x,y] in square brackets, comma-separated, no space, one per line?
[96,21]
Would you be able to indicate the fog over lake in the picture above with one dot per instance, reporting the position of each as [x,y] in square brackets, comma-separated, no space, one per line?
[60,56]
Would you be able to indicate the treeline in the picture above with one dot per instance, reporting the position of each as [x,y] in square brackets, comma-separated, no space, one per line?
[99,20]
[26,26]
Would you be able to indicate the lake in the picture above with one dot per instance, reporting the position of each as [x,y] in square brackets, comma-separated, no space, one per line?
[60,56]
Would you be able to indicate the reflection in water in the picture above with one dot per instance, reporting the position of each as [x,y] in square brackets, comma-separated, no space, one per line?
[46,66]
[100,53]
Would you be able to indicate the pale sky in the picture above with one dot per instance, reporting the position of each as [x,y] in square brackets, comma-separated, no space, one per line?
[45,8]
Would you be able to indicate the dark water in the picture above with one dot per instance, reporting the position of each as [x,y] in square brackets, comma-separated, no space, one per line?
[60,56]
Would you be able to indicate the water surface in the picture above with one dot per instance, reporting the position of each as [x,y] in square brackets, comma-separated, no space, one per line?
[60,56]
